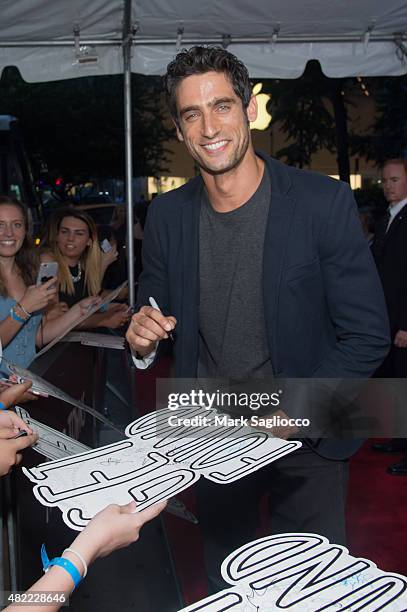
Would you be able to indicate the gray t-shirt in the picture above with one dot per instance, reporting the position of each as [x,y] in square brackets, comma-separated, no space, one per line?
[232,334]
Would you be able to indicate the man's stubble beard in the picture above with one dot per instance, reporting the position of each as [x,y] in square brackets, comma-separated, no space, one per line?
[235,162]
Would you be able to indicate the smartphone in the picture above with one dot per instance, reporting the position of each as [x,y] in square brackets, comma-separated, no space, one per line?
[106,246]
[47,270]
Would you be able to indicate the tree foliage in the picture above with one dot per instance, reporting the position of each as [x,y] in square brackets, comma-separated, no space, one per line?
[298,107]
[387,137]
[76,127]
[312,112]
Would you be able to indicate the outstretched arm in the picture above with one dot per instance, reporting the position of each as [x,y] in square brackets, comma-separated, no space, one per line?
[113,528]
[59,325]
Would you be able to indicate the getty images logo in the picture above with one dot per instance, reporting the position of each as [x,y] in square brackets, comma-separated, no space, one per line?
[223,400]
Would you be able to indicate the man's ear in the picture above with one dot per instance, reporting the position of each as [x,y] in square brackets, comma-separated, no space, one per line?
[252,109]
[179,133]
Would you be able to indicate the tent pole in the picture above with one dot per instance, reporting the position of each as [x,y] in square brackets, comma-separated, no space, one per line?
[127,42]
[235,40]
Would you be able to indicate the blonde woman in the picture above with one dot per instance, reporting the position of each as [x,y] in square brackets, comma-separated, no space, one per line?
[22,327]
[71,240]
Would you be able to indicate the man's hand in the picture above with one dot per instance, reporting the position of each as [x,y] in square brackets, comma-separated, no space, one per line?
[147,327]
[400,339]
[284,432]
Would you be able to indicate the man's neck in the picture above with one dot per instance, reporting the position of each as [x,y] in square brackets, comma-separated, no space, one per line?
[232,189]
[393,204]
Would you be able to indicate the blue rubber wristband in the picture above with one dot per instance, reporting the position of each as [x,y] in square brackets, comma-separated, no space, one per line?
[15,316]
[60,562]
[2,406]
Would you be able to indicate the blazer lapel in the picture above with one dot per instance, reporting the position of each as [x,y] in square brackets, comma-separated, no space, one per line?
[395,223]
[275,244]
[190,287]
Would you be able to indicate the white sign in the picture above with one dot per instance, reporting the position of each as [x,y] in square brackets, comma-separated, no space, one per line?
[303,572]
[96,339]
[51,443]
[92,310]
[155,462]
[46,389]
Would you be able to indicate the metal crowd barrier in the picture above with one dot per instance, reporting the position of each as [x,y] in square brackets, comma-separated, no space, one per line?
[80,371]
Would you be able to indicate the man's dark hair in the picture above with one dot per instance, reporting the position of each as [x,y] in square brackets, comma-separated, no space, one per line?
[198,60]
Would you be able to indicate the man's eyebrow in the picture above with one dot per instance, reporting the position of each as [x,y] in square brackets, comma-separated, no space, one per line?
[224,100]
[214,102]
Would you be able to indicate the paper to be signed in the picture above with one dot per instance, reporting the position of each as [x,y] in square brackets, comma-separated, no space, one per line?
[107,300]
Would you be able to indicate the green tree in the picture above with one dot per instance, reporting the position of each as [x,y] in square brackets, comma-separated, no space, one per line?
[387,137]
[76,127]
[312,112]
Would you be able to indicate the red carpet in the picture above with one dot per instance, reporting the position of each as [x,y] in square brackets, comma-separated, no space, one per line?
[377,511]
[376,514]
[376,518]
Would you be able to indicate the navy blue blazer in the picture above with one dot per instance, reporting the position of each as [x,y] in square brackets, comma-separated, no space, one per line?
[324,308]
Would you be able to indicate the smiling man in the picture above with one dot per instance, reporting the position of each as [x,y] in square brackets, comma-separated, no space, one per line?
[214,125]
[260,271]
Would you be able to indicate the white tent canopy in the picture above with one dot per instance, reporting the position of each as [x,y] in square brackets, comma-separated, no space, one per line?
[274,39]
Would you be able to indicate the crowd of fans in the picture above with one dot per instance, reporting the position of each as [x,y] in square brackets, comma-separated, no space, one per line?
[32,314]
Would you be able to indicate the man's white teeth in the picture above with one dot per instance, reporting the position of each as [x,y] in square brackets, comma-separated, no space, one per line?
[8,242]
[215,145]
